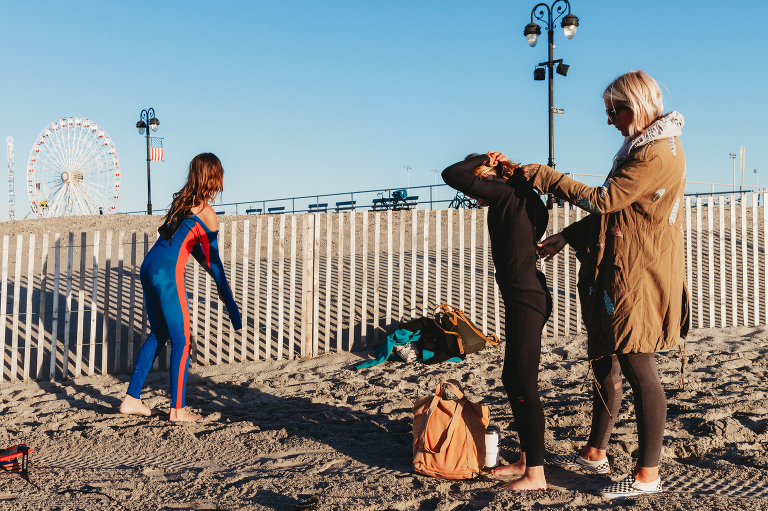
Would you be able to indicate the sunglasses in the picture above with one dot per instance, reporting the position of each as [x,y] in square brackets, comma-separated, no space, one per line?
[613,112]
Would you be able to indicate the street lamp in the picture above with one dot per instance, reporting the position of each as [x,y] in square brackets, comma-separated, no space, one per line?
[733,157]
[408,170]
[532,33]
[147,122]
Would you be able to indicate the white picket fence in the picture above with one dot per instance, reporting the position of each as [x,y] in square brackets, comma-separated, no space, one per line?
[311,284]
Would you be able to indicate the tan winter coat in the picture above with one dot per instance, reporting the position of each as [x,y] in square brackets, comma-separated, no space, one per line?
[632,279]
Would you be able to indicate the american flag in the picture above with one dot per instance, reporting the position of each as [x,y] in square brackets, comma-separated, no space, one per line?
[156,149]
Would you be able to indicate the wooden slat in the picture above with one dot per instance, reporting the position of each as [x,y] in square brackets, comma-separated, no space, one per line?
[316,294]
[281,289]
[328,280]
[764,266]
[268,318]
[233,284]
[485,311]
[54,307]
[688,257]
[577,264]
[462,268]
[130,337]
[555,279]
[80,307]
[425,273]
[207,320]
[352,272]
[744,261]
[94,301]
[257,292]
[245,283]
[438,257]
[28,308]
[4,293]
[734,274]
[340,283]
[68,310]
[722,263]
[41,315]
[449,259]
[105,307]
[401,268]
[144,319]
[473,266]
[699,273]
[308,267]
[292,296]
[755,262]
[388,301]
[219,306]
[376,275]
[364,297]
[711,261]
[15,313]
[566,275]
[414,264]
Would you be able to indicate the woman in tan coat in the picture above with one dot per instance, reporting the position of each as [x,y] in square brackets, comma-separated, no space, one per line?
[631,282]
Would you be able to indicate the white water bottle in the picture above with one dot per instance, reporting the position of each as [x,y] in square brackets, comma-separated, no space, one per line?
[492,446]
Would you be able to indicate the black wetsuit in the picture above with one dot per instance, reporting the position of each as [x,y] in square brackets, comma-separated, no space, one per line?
[517,219]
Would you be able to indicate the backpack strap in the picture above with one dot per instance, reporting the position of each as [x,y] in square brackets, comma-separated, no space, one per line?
[452,313]
[451,428]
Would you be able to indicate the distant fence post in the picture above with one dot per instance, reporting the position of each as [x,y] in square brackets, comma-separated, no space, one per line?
[307,288]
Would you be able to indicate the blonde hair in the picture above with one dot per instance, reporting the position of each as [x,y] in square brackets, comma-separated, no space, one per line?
[503,169]
[205,180]
[641,94]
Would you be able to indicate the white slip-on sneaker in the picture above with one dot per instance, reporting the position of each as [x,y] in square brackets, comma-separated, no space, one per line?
[575,460]
[630,487]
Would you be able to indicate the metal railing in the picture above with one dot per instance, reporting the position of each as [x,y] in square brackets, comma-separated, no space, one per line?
[364,200]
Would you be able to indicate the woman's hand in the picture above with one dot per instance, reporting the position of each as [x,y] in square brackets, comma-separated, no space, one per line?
[549,247]
[496,158]
[528,172]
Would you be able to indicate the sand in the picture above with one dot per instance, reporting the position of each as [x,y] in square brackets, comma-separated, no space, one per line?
[278,433]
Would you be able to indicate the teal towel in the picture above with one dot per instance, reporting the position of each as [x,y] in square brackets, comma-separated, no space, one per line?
[399,337]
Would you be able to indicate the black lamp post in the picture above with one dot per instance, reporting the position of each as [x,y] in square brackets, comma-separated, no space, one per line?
[532,32]
[148,121]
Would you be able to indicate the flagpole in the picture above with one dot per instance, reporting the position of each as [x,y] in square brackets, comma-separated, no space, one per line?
[149,185]
[148,121]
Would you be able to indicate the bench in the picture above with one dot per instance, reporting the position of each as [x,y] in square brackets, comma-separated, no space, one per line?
[412,202]
[252,211]
[345,206]
[318,208]
[276,211]
[220,213]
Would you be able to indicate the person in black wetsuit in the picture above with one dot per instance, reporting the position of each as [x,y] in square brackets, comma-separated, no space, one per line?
[517,219]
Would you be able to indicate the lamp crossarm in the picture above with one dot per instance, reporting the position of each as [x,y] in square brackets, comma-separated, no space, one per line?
[558,9]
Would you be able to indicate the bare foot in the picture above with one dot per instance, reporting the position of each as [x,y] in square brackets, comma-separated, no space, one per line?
[533,479]
[513,469]
[133,406]
[181,415]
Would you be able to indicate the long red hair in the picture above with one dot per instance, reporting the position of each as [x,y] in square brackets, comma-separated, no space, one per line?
[503,169]
[205,181]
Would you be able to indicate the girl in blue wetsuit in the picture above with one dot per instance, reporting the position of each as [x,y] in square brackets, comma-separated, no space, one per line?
[189,228]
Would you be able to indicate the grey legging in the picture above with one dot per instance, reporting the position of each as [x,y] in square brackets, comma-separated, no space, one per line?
[650,402]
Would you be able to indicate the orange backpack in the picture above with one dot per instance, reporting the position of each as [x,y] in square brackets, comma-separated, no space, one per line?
[449,435]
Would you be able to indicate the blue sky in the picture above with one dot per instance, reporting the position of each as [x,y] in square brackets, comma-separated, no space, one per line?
[303,97]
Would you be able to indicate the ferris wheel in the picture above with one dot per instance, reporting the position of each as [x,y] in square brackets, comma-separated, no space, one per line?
[73,169]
